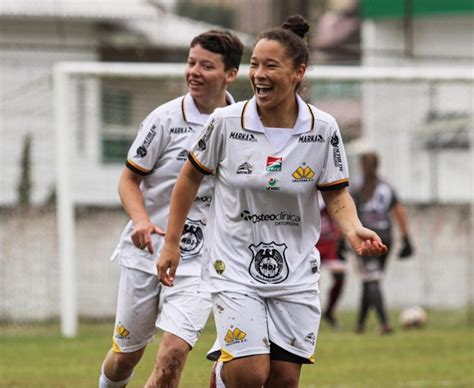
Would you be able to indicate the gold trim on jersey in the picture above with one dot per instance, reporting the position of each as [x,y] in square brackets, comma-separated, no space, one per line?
[198,164]
[242,122]
[134,165]
[183,109]
[335,183]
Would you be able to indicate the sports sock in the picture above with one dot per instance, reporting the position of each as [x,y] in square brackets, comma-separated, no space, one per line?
[219,382]
[105,382]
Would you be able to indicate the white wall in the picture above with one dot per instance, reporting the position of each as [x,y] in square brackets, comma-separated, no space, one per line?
[28,50]
[396,116]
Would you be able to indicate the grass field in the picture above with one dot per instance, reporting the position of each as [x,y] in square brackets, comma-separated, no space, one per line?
[440,355]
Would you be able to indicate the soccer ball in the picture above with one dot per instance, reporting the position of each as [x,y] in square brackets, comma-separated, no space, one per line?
[413,317]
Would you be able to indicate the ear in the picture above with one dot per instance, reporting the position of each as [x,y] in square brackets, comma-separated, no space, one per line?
[299,73]
[231,75]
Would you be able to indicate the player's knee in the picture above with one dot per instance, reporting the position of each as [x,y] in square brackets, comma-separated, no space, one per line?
[126,361]
[173,348]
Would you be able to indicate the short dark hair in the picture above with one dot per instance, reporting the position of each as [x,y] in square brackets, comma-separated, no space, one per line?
[222,42]
[292,35]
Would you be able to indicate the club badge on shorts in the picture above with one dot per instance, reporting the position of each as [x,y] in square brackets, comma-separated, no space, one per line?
[192,239]
[268,263]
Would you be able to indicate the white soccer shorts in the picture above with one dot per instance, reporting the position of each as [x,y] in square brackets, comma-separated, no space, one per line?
[144,305]
[246,323]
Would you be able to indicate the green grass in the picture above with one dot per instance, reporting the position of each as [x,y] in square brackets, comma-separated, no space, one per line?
[440,355]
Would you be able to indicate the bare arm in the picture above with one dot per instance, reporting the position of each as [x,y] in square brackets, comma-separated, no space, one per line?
[182,198]
[342,210]
[132,201]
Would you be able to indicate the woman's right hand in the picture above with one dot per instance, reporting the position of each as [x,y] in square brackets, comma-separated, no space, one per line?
[167,263]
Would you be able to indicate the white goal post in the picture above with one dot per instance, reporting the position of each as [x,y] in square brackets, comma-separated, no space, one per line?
[66,73]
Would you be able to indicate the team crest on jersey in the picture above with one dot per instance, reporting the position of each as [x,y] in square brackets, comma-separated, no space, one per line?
[192,239]
[244,169]
[303,173]
[335,140]
[274,163]
[268,264]
[142,150]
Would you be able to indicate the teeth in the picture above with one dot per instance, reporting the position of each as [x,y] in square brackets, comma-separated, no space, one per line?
[263,86]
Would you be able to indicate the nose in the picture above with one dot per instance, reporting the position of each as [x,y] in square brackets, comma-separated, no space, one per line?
[257,73]
[194,69]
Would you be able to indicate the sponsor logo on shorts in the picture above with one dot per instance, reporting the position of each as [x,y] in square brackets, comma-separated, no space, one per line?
[235,336]
[273,185]
[280,219]
[243,137]
[219,266]
[311,139]
[314,266]
[202,143]
[192,239]
[142,150]
[181,130]
[274,163]
[268,264]
[303,173]
[311,338]
[244,169]
[183,155]
[121,332]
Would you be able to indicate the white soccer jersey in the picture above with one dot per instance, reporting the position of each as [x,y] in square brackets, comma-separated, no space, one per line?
[265,218]
[158,153]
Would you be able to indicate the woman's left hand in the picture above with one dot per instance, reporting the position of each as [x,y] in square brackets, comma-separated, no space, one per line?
[366,242]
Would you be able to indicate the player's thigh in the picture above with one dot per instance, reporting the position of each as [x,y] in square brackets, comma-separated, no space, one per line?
[293,325]
[241,324]
[183,311]
[137,308]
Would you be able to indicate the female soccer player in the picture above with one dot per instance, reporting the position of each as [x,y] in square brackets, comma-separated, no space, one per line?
[270,154]
[377,204]
[154,161]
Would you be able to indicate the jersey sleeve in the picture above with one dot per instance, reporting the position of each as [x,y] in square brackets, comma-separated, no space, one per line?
[335,174]
[147,147]
[207,151]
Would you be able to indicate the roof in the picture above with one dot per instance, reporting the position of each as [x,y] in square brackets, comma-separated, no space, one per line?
[156,26]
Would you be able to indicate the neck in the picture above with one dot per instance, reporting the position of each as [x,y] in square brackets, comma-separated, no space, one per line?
[281,116]
[207,106]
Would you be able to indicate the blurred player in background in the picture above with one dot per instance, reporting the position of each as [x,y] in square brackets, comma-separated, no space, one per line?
[377,204]
[330,248]
[154,161]
[271,154]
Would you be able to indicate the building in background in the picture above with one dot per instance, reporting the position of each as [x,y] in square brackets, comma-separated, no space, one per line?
[36,35]
[427,142]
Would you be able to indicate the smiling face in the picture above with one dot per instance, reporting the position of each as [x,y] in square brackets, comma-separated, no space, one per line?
[273,75]
[206,77]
